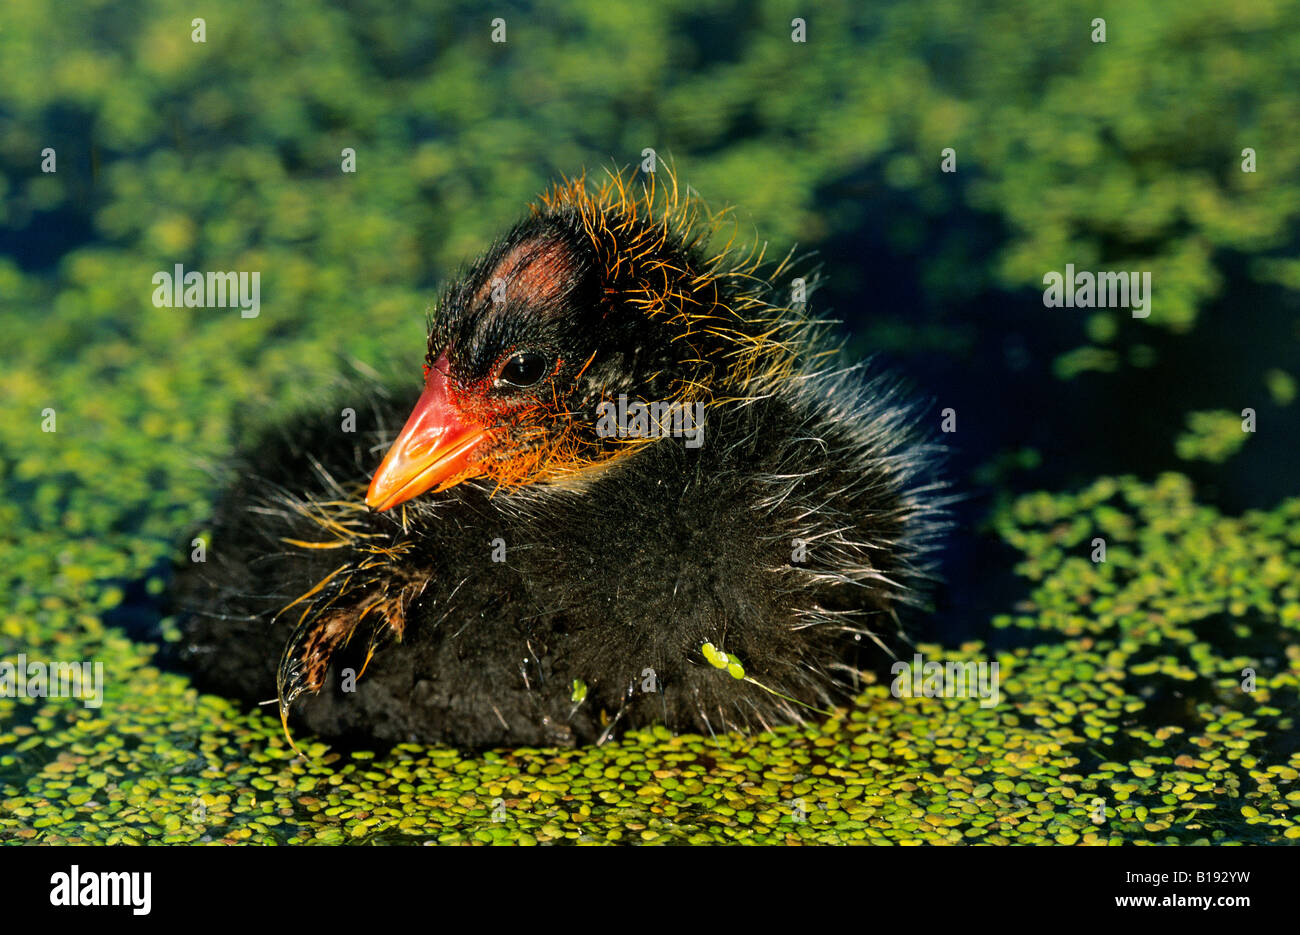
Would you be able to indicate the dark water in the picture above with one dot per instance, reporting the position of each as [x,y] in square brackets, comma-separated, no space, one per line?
[988,354]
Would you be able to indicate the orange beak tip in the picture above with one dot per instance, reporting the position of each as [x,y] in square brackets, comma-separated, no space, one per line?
[413,467]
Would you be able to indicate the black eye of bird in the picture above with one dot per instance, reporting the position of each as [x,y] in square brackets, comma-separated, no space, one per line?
[523,369]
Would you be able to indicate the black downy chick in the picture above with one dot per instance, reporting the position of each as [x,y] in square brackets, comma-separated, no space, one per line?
[539,560]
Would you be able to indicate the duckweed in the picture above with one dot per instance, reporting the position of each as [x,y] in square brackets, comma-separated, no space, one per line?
[1213,435]
[1156,709]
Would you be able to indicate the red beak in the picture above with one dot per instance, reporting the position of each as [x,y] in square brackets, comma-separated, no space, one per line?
[434,447]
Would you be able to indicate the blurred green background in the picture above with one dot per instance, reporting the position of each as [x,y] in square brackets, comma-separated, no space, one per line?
[225,155]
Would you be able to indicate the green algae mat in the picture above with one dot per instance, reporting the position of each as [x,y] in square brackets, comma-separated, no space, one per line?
[1150,697]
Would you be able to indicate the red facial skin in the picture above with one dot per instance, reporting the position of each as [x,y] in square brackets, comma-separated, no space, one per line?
[456,433]
[437,445]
